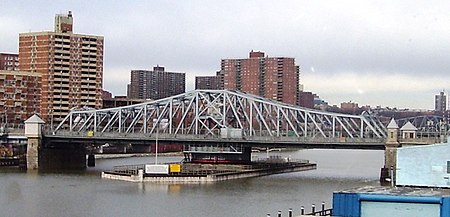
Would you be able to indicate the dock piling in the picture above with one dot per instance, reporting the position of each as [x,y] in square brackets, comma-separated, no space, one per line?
[279,213]
[290,212]
[302,210]
[313,208]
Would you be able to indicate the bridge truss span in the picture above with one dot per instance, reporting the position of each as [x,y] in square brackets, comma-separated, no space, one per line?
[223,114]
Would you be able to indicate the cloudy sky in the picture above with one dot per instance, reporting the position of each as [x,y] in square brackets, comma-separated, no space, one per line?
[388,53]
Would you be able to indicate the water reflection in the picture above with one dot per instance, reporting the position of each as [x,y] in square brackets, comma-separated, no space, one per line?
[86,194]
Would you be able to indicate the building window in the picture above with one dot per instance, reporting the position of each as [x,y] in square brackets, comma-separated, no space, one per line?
[448,166]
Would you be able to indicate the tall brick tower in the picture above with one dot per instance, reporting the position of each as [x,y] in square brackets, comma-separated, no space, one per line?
[71,66]
[274,78]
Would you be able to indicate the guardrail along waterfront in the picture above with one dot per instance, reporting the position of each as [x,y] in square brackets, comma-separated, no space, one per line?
[314,212]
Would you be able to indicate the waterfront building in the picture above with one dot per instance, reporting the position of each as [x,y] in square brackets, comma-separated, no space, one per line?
[207,82]
[71,66]
[440,102]
[388,201]
[20,96]
[156,84]
[431,169]
[420,181]
[9,61]
[274,78]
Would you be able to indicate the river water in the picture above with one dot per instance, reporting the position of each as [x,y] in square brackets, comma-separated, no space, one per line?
[86,194]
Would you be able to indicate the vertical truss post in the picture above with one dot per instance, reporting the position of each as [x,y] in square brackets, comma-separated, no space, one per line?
[278,122]
[196,113]
[120,120]
[144,117]
[170,116]
[251,119]
[362,128]
[334,126]
[95,121]
[70,121]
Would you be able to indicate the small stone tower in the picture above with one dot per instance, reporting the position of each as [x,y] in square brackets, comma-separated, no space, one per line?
[392,143]
[33,132]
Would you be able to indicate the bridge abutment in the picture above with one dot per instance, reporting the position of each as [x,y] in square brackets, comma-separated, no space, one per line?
[41,156]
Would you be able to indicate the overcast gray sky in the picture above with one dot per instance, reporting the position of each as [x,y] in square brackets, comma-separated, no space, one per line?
[388,53]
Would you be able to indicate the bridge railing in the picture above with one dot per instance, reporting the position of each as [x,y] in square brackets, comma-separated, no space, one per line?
[245,139]
[193,169]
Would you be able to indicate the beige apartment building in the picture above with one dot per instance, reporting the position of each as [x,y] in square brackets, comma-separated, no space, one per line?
[71,66]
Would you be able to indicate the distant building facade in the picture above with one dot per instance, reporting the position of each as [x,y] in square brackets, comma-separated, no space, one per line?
[440,102]
[71,66]
[9,61]
[207,82]
[119,101]
[106,95]
[20,96]
[156,84]
[274,78]
[306,99]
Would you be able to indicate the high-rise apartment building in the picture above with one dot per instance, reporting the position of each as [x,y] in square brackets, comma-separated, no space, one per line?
[274,78]
[207,82]
[440,102]
[156,84]
[9,61]
[71,66]
[20,94]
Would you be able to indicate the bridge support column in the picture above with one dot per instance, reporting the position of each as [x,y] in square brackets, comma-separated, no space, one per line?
[387,175]
[33,133]
[91,160]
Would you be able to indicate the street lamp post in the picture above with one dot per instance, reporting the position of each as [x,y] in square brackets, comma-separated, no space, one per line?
[156,145]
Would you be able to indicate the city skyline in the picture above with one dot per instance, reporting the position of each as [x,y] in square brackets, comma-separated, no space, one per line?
[379,53]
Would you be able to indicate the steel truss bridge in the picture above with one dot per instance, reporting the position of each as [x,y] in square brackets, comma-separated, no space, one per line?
[428,124]
[222,117]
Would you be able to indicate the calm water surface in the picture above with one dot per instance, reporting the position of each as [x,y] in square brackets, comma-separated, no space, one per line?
[86,194]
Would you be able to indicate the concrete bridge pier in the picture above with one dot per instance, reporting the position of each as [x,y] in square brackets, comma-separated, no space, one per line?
[41,156]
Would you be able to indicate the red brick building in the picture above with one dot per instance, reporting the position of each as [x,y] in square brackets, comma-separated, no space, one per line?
[207,82]
[20,96]
[306,99]
[156,84]
[274,78]
[71,66]
[9,61]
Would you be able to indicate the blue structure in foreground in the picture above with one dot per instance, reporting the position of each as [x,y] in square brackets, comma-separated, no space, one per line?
[386,201]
